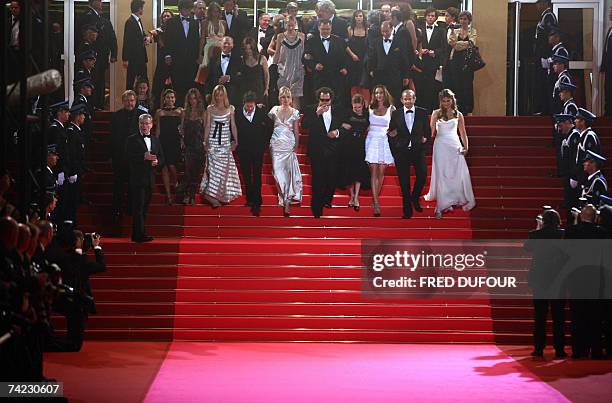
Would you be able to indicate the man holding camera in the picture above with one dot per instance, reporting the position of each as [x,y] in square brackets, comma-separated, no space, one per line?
[144,154]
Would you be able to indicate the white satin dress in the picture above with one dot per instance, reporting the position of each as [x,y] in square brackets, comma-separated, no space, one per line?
[451,184]
[285,165]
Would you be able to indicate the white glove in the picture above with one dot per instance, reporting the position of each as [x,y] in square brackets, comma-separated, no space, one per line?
[573,184]
[60,178]
[72,178]
[545,63]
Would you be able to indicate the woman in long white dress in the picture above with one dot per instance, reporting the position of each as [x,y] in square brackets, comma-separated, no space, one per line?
[378,154]
[451,185]
[283,144]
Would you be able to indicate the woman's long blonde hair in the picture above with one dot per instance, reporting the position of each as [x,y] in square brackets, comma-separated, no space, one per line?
[216,90]
[446,93]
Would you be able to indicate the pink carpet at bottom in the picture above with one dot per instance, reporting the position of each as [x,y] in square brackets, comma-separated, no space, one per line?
[285,372]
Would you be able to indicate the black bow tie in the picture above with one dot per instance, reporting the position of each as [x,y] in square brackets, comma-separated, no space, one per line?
[225,56]
[387,40]
[185,18]
[229,13]
[409,111]
[430,27]
[146,136]
[262,30]
[325,39]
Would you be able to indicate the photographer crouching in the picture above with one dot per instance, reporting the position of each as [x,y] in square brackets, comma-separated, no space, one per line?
[75,300]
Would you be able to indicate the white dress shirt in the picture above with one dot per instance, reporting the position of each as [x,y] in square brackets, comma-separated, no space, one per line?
[259,36]
[248,115]
[137,18]
[147,141]
[326,43]
[429,31]
[228,19]
[387,45]
[409,117]
[327,118]
[14,33]
[185,21]
[225,62]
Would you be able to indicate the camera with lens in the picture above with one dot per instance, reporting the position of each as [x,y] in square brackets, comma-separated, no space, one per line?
[88,240]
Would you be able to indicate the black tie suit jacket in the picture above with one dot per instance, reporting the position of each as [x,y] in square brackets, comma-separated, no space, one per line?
[389,69]
[253,136]
[438,38]
[184,52]
[407,140]
[339,27]
[133,43]
[319,144]
[234,70]
[124,123]
[265,41]
[333,62]
[240,25]
[142,173]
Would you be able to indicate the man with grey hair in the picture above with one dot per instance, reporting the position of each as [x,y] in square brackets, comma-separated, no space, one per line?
[144,153]
[326,10]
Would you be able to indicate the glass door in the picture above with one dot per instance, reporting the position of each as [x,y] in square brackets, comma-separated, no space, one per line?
[582,24]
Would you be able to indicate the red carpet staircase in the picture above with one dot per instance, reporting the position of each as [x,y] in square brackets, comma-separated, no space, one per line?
[227,276]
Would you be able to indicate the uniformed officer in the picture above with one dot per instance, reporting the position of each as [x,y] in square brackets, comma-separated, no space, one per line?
[568,170]
[566,93]
[74,166]
[588,138]
[85,89]
[85,70]
[542,51]
[594,183]
[560,67]
[51,180]
[60,115]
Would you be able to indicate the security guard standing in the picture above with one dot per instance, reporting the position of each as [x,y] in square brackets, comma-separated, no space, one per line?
[87,62]
[74,167]
[542,52]
[589,141]
[566,93]
[569,144]
[560,67]
[594,183]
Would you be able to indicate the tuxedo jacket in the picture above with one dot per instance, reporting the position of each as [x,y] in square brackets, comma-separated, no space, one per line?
[106,44]
[339,27]
[436,43]
[134,50]
[234,70]
[124,123]
[183,49]
[142,173]
[252,136]
[333,62]
[240,25]
[319,144]
[265,41]
[74,160]
[409,140]
[391,67]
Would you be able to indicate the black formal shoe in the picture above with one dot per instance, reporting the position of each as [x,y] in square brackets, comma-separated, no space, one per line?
[256,210]
[145,238]
[417,205]
[327,205]
[407,214]
[560,354]
[537,353]
[317,216]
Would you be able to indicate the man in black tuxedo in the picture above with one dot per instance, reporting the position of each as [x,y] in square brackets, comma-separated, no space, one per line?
[144,153]
[254,128]
[105,46]
[409,134]
[323,122]
[237,22]
[606,67]
[451,15]
[434,37]
[134,53]
[182,42]
[325,57]
[124,123]
[326,10]
[389,62]
[226,70]
[262,34]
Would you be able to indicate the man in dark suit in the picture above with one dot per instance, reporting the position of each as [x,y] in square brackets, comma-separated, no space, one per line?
[325,57]
[226,70]
[434,37]
[548,21]
[389,62]
[606,67]
[409,135]
[326,10]
[144,153]
[262,34]
[254,128]
[544,269]
[105,46]
[323,122]
[124,123]
[450,17]
[237,22]
[134,53]
[182,41]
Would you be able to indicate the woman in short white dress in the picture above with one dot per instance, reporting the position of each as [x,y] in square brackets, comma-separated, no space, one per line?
[378,154]
[450,177]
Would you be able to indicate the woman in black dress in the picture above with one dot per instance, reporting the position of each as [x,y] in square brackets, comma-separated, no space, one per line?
[461,80]
[143,95]
[167,122]
[255,74]
[161,78]
[357,50]
[353,168]
[193,137]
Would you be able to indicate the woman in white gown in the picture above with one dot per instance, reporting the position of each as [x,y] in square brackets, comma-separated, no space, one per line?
[450,178]
[378,154]
[283,144]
